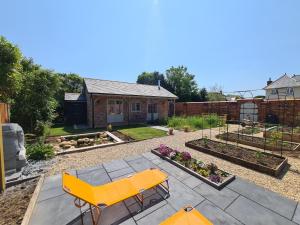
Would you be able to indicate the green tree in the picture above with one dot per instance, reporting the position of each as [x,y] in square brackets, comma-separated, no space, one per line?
[35,104]
[182,83]
[203,95]
[216,93]
[68,83]
[152,78]
[10,65]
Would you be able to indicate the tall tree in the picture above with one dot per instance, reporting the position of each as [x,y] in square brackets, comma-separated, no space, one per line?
[10,66]
[152,78]
[203,95]
[182,83]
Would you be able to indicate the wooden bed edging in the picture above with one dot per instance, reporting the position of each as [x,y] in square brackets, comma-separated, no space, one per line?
[33,201]
[193,173]
[239,161]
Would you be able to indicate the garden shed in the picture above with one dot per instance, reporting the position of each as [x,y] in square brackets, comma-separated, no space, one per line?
[75,109]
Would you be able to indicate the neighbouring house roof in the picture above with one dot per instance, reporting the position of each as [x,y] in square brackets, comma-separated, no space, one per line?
[284,82]
[123,88]
[74,97]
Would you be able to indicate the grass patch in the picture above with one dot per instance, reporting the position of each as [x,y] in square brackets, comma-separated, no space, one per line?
[142,133]
[61,130]
[195,122]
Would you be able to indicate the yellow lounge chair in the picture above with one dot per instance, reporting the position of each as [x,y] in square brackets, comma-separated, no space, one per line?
[187,216]
[99,197]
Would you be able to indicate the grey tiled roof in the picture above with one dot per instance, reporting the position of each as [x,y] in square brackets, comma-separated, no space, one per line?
[284,81]
[74,97]
[123,88]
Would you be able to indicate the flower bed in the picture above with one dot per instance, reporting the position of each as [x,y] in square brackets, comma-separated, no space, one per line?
[273,143]
[209,173]
[261,161]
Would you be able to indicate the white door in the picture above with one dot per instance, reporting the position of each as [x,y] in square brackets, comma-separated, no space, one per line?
[152,114]
[115,111]
[249,111]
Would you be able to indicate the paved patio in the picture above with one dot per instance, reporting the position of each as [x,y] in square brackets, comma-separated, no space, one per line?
[241,202]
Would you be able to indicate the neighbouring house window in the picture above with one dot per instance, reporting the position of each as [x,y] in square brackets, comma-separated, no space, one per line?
[136,107]
[115,107]
[289,91]
[274,92]
[152,108]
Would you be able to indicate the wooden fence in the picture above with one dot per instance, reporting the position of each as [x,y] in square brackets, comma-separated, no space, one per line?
[4,112]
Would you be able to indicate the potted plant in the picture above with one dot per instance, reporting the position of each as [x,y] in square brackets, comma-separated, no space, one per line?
[171,131]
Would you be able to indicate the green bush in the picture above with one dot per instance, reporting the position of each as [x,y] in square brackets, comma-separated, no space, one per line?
[39,151]
[195,122]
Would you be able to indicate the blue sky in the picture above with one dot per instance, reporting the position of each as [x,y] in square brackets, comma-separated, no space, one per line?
[237,44]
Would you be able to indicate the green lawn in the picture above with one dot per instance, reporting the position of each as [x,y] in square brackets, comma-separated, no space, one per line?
[137,132]
[142,133]
[61,130]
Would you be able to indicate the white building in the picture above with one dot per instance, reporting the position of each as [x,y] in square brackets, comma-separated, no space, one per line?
[285,87]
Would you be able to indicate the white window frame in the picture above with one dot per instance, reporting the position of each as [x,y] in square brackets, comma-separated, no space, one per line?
[134,107]
[289,91]
[274,91]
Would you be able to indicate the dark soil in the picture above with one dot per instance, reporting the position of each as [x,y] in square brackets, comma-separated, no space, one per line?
[14,202]
[261,141]
[240,152]
[122,136]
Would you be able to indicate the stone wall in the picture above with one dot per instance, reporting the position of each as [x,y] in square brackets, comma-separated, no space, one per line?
[287,111]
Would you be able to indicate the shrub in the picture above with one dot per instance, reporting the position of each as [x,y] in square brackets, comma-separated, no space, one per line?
[215,178]
[164,150]
[39,151]
[186,156]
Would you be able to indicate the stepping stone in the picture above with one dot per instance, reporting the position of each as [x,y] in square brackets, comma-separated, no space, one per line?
[157,216]
[296,217]
[115,165]
[192,182]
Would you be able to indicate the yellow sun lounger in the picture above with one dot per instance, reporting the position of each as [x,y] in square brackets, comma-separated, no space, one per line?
[99,197]
[187,216]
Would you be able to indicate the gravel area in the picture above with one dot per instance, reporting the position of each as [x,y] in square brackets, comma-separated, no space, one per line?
[288,185]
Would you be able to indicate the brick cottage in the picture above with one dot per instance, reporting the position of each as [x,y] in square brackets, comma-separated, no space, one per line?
[104,102]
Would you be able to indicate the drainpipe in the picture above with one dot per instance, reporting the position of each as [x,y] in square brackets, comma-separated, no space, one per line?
[93,119]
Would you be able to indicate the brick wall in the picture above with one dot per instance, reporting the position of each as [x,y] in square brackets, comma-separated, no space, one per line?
[287,111]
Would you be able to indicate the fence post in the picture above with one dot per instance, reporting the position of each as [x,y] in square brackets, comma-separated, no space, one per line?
[2,171]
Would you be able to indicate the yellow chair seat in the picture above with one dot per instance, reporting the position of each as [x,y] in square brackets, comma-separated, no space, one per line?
[187,217]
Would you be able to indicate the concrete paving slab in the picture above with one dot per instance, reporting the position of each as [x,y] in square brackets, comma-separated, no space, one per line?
[87,170]
[174,171]
[50,193]
[249,212]
[157,216]
[192,182]
[215,214]
[142,164]
[150,156]
[157,161]
[181,195]
[55,211]
[268,199]
[296,217]
[115,165]
[95,177]
[121,172]
[221,198]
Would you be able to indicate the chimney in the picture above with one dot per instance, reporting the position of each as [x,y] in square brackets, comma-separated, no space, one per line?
[158,84]
[269,81]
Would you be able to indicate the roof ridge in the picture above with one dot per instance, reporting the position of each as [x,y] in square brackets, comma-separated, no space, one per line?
[277,80]
[126,82]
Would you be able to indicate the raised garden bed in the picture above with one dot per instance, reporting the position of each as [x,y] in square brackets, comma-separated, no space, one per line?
[209,173]
[83,142]
[261,161]
[287,133]
[272,144]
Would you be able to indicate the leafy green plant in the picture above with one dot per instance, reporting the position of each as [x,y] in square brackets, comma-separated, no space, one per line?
[212,168]
[275,137]
[205,141]
[39,151]
[203,172]
[258,155]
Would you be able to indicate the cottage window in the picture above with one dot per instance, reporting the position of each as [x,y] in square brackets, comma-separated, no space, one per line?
[152,108]
[274,92]
[115,107]
[289,91]
[136,107]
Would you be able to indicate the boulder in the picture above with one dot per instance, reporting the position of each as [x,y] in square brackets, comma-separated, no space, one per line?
[80,141]
[73,142]
[62,144]
[67,146]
